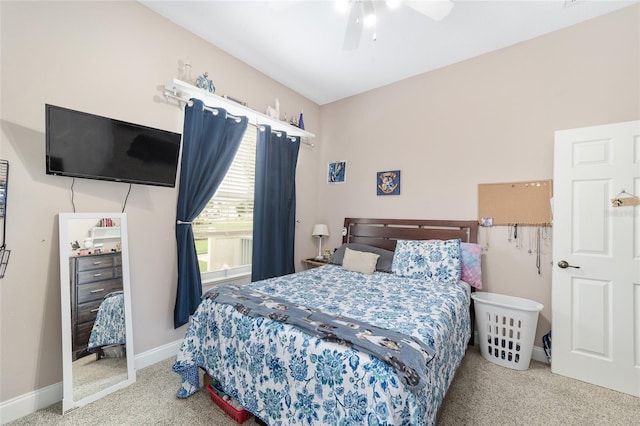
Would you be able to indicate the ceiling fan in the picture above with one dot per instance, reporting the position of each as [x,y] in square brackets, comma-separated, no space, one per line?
[362,13]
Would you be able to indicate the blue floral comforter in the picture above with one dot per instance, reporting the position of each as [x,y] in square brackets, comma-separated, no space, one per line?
[109,327]
[287,377]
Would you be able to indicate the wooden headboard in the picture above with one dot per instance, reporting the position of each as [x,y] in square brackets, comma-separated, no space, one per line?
[384,233]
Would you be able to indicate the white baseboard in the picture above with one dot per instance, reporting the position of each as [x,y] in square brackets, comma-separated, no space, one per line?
[539,354]
[156,355]
[31,402]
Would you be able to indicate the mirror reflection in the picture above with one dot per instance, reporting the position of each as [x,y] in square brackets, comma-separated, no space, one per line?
[96,306]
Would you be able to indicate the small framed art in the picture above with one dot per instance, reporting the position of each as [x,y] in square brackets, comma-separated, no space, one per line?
[388,183]
[337,172]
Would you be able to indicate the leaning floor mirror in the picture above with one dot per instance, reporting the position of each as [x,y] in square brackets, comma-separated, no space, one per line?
[97,338]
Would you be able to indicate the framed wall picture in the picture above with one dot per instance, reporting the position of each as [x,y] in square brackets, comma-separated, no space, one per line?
[388,183]
[337,172]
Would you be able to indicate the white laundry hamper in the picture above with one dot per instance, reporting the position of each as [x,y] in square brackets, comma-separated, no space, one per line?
[506,328]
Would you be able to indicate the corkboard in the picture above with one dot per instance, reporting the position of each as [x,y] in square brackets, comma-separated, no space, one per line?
[522,203]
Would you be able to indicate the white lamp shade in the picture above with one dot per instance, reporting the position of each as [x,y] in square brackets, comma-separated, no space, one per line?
[320,230]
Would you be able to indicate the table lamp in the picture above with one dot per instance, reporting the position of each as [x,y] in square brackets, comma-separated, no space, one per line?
[320,231]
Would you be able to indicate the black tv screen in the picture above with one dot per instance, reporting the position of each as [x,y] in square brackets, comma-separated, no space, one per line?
[89,146]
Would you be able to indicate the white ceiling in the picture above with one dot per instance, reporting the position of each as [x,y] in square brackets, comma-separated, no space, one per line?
[299,43]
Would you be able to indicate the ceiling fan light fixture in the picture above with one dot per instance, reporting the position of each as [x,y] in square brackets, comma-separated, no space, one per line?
[434,9]
[393,4]
[369,13]
[342,6]
[370,20]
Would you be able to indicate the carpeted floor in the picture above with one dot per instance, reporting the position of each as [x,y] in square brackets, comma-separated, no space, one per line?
[91,375]
[482,393]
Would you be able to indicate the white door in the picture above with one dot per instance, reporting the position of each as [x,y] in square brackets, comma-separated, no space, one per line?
[596,292]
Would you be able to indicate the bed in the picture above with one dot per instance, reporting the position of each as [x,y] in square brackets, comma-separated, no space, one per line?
[285,374]
[109,326]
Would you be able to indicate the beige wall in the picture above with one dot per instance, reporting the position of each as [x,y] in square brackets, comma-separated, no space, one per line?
[107,58]
[489,119]
[484,120]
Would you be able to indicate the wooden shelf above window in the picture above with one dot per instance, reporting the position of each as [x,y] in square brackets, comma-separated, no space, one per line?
[188,91]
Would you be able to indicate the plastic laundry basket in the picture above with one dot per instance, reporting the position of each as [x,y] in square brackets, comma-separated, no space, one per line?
[506,328]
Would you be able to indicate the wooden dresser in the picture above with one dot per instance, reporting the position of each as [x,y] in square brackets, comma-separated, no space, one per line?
[92,278]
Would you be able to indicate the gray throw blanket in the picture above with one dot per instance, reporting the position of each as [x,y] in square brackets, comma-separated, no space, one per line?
[409,356]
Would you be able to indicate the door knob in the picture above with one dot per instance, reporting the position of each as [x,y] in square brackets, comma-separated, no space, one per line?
[564,264]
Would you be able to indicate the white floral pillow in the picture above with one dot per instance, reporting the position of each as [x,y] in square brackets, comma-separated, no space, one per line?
[432,260]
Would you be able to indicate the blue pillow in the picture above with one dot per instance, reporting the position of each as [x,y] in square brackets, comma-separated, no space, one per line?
[431,260]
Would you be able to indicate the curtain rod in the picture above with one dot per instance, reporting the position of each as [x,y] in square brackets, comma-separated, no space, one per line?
[190,103]
[262,128]
[168,94]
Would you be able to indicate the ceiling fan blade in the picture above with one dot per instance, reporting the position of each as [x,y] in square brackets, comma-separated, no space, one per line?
[354,27]
[434,9]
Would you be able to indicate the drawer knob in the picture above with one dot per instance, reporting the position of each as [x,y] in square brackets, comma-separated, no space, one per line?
[98,290]
[96,275]
[94,310]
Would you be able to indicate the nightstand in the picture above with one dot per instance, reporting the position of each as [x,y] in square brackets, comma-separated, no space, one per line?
[311,263]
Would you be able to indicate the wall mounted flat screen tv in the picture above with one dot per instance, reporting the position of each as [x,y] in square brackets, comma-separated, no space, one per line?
[89,146]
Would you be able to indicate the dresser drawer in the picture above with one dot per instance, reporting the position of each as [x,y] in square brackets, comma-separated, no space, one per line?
[97,290]
[83,333]
[88,311]
[97,275]
[87,263]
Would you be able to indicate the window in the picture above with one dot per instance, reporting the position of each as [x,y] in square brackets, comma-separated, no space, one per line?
[224,229]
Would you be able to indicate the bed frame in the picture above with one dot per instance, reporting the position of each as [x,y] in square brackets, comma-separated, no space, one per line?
[384,233]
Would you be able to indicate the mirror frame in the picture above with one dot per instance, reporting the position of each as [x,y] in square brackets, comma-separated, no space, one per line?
[68,402]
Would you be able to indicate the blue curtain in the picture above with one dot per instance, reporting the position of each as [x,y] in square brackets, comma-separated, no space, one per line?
[274,210]
[209,144]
